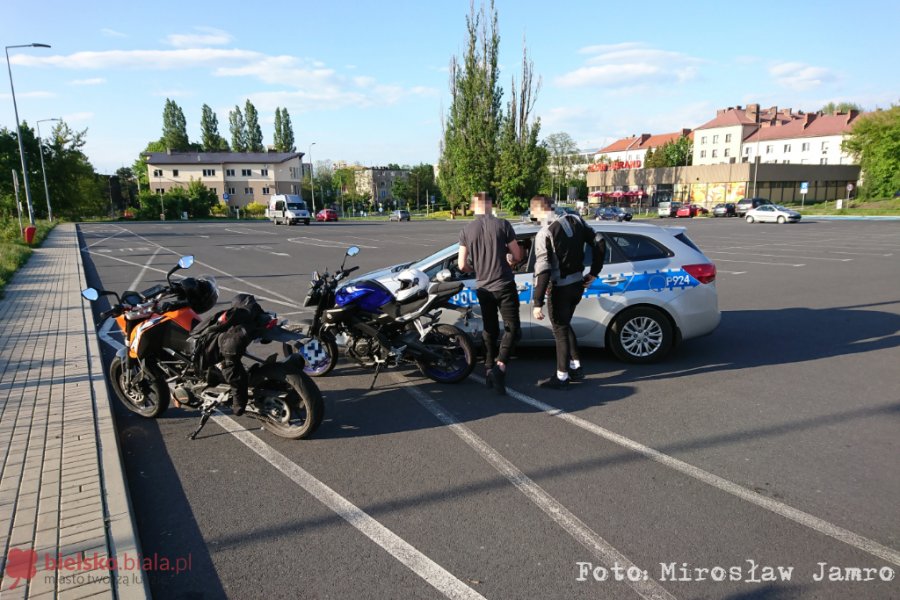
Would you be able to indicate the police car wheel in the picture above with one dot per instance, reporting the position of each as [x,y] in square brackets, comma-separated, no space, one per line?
[641,335]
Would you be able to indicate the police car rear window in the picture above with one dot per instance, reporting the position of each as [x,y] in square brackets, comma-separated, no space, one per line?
[684,239]
[637,247]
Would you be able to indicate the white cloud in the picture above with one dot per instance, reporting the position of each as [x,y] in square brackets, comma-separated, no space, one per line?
[630,64]
[91,81]
[112,33]
[204,36]
[137,59]
[78,117]
[799,76]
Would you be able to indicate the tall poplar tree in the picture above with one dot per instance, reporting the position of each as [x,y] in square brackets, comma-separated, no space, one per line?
[277,139]
[469,152]
[287,132]
[238,130]
[254,132]
[174,135]
[209,131]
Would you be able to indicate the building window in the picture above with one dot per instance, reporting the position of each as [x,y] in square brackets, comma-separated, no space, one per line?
[824,148]
[209,172]
[747,150]
[231,191]
[229,172]
[246,172]
[214,191]
[787,148]
[703,140]
[715,139]
[248,191]
[157,172]
[703,154]
[727,152]
[160,191]
[382,194]
[805,147]
[770,148]
[174,172]
[727,137]
[715,153]
[823,161]
[265,191]
[264,172]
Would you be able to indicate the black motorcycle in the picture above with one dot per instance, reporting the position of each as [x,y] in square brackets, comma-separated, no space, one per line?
[381,327]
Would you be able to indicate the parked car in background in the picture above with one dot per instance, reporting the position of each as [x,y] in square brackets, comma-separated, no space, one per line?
[691,210]
[724,210]
[612,213]
[667,209]
[771,213]
[746,204]
[399,215]
[326,214]
[656,289]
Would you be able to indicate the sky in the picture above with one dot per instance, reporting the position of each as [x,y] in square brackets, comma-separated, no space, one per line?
[367,81]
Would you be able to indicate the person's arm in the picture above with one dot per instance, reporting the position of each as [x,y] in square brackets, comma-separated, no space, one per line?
[598,256]
[542,268]
[462,260]
[516,250]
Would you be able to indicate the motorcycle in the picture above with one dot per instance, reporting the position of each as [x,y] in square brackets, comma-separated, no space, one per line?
[157,362]
[381,327]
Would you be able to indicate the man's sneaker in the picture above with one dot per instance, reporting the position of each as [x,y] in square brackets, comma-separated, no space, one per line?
[498,376]
[237,410]
[489,378]
[554,383]
[576,374]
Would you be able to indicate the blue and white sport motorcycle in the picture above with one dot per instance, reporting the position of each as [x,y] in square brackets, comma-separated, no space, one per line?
[385,323]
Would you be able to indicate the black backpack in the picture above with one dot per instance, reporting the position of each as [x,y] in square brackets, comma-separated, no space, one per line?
[568,237]
[245,315]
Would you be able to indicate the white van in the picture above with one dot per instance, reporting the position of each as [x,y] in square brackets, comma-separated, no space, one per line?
[287,209]
[667,209]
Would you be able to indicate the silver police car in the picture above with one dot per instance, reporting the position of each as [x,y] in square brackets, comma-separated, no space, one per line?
[656,289]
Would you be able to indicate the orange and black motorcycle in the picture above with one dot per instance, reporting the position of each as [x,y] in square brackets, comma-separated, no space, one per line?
[158,360]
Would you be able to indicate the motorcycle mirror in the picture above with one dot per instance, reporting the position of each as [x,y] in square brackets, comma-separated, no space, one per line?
[352,251]
[90,294]
[185,262]
[444,275]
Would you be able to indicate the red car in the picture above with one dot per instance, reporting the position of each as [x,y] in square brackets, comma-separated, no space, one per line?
[691,210]
[327,214]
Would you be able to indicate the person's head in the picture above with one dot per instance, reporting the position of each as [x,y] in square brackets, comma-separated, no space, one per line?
[541,207]
[481,203]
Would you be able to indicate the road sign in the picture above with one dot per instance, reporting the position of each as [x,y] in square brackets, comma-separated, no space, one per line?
[849,187]
[226,196]
[804,187]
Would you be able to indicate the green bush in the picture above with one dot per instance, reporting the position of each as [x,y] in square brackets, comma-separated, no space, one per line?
[254,210]
[13,251]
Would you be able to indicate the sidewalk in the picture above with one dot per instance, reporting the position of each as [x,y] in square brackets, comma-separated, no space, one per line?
[62,486]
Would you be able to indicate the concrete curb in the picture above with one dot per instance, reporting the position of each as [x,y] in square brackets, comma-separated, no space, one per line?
[121,528]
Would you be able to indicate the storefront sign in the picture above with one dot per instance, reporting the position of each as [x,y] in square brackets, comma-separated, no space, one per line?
[615,165]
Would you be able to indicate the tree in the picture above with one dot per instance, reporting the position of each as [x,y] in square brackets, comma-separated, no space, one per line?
[238,127]
[287,132]
[875,142]
[254,133]
[209,131]
[674,153]
[841,107]
[174,134]
[561,148]
[469,151]
[277,139]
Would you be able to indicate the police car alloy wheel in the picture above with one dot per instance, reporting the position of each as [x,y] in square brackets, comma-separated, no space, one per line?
[641,335]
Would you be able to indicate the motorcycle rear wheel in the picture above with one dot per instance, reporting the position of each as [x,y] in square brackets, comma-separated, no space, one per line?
[291,406]
[148,395]
[458,354]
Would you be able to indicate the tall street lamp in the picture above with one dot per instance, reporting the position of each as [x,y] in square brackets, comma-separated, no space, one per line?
[19,129]
[312,183]
[44,169]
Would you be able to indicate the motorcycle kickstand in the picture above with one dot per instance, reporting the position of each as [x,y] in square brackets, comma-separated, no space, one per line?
[377,371]
[207,413]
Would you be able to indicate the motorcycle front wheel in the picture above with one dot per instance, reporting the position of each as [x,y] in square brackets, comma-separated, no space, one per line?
[320,355]
[291,404]
[147,395]
[457,355]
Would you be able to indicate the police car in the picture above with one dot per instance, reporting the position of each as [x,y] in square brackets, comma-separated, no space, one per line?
[656,289]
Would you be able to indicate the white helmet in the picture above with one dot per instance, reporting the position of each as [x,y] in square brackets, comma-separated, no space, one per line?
[408,283]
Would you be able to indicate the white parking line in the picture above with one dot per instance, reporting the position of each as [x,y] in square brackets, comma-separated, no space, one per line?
[103,240]
[779,508]
[574,526]
[252,232]
[753,262]
[140,276]
[324,243]
[431,572]
[779,256]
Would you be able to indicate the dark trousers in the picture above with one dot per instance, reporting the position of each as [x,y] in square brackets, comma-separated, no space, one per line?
[561,305]
[506,302]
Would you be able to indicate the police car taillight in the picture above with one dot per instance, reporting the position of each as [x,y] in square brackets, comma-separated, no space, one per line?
[705,273]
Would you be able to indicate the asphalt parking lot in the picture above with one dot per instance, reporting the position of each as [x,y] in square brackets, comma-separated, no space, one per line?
[771,443]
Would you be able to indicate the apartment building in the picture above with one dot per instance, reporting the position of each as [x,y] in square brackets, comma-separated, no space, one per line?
[237,178]
[629,153]
[378,182]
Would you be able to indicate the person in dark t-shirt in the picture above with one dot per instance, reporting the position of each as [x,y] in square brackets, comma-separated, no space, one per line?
[488,246]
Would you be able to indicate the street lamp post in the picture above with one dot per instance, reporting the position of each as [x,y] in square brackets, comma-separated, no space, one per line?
[19,129]
[312,183]
[44,169]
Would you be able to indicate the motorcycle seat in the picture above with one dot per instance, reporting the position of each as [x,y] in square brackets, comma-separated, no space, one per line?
[440,287]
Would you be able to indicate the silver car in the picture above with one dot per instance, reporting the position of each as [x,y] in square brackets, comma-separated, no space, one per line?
[656,289]
[772,213]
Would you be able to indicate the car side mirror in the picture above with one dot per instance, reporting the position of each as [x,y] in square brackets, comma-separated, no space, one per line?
[90,294]
[444,275]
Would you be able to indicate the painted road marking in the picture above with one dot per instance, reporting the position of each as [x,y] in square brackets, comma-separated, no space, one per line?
[781,256]
[779,508]
[140,276]
[252,232]
[325,243]
[574,526]
[753,262]
[433,574]
[104,239]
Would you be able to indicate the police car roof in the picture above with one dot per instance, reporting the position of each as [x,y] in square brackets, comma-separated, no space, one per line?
[645,228]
